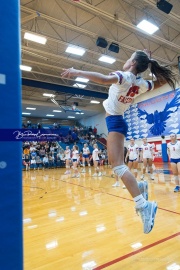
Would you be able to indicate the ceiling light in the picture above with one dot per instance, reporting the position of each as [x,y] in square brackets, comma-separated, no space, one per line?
[71,116]
[54,101]
[82,113]
[147,27]
[56,111]
[49,114]
[79,85]
[48,95]
[25,68]
[28,108]
[35,38]
[75,50]
[27,113]
[107,59]
[79,79]
[77,112]
[95,101]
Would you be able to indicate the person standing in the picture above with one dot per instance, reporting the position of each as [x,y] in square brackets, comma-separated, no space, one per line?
[132,153]
[95,157]
[75,159]
[147,155]
[173,149]
[67,153]
[85,157]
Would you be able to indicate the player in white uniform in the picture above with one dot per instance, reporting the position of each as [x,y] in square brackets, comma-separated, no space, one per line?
[147,156]
[95,156]
[125,86]
[85,158]
[67,153]
[133,153]
[75,159]
[173,149]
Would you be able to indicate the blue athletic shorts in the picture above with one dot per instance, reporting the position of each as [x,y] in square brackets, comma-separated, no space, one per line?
[175,160]
[74,160]
[116,123]
[131,160]
[85,156]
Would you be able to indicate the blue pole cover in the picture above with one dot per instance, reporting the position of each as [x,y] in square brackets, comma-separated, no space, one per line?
[11,247]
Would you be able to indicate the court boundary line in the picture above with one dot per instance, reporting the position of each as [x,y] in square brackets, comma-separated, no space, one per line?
[130,254]
[107,193]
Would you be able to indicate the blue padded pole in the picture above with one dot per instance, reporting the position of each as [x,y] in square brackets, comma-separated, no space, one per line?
[164,152]
[11,247]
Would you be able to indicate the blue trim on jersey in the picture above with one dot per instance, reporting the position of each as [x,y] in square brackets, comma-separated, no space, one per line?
[149,85]
[116,123]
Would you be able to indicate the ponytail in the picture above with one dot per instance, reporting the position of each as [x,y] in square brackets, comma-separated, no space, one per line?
[163,73]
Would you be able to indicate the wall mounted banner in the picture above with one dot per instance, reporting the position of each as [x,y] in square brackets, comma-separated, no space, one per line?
[154,117]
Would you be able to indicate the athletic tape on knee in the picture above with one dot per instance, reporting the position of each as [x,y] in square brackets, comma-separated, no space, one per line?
[135,170]
[120,170]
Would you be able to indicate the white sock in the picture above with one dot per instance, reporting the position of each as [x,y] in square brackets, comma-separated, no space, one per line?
[140,201]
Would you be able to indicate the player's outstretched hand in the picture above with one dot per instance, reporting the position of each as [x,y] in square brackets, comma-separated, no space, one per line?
[70,72]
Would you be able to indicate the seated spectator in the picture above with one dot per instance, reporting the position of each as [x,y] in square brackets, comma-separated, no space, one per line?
[51,161]
[33,154]
[42,152]
[33,163]
[26,151]
[46,161]
[26,162]
[32,148]
[38,162]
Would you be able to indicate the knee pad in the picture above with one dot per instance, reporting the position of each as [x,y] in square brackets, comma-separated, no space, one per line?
[144,168]
[135,170]
[120,170]
[150,167]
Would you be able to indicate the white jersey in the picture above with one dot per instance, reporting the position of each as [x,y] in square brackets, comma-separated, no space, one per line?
[86,151]
[67,154]
[95,154]
[133,151]
[75,154]
[147,150]
[174,149]
[123,93]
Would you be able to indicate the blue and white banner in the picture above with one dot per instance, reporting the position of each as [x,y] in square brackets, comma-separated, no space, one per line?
[154,117]
[29,135]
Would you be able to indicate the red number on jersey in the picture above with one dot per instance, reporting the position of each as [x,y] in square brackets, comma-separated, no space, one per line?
[133,90]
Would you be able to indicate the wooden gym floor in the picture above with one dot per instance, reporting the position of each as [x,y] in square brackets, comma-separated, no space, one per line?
[85,223]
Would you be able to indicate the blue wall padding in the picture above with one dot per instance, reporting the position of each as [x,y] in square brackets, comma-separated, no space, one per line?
[11,248]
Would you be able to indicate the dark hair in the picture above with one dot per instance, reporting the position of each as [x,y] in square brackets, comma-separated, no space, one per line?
[162,73]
